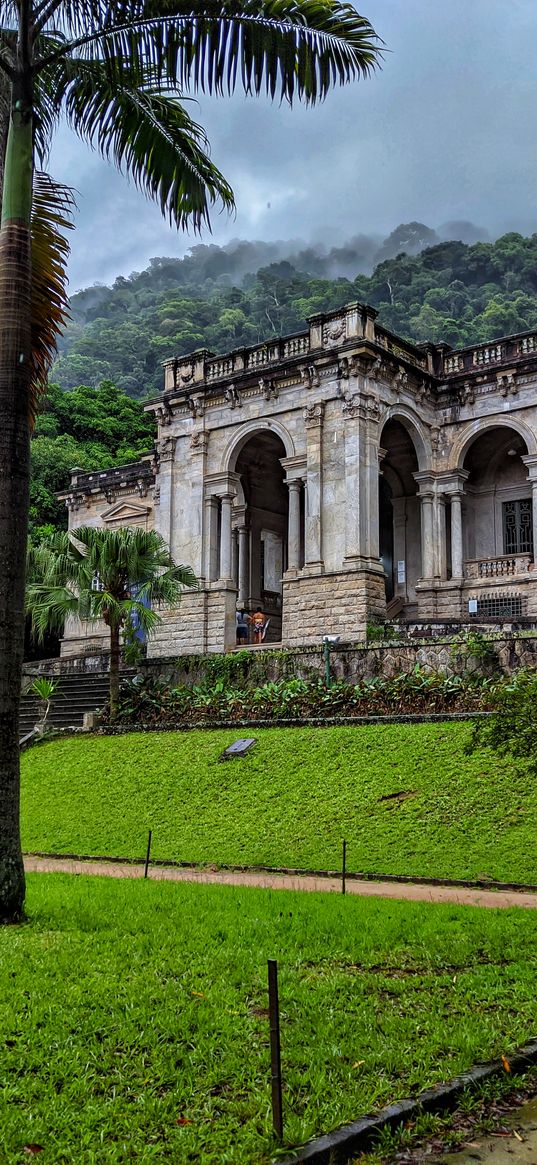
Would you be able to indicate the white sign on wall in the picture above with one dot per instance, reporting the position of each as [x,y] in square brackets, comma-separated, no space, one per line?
[472,606]
[401,571]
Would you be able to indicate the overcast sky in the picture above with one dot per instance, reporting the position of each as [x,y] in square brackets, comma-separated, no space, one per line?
[447,130]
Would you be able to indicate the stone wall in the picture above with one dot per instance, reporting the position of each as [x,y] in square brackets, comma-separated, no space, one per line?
[330,604]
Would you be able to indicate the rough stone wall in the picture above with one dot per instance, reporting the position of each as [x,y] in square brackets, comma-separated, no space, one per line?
[330,604]
[351,664]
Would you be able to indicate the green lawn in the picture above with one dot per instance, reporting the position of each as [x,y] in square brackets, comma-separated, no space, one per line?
[133,1023]
[290,802]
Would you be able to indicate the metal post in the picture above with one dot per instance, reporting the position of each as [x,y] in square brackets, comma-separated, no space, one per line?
[344,867]
[148,854]
[327,675]
[275,1055]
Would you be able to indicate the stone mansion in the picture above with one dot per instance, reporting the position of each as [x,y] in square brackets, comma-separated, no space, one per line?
[331,477]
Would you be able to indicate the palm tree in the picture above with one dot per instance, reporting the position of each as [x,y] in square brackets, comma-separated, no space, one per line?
[119,72]
[110,576]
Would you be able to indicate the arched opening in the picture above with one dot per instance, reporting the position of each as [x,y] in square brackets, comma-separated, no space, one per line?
[260,521]
[497,504]
[399,515]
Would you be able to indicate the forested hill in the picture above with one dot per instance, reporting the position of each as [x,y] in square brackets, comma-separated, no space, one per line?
[454,291]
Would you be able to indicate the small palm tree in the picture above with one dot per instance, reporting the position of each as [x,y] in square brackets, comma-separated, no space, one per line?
[113,576]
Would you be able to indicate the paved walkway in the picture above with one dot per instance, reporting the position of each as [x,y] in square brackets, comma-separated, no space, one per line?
[462,896]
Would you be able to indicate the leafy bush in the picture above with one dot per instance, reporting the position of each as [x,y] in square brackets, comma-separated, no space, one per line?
[153,702]
[513,730]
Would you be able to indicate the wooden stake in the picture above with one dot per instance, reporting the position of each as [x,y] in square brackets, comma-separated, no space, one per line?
[275,1054]
[148,854]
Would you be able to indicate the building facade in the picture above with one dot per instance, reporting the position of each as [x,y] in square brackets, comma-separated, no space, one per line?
[331,477]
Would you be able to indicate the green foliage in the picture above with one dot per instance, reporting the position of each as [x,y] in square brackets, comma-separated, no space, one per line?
[92,428]
[43,687]
[477,649]
[226,693]
[512,731]
[450,291]
[134,1014]
[406,797]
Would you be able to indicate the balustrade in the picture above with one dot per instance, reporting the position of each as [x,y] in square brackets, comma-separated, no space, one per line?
[505,565]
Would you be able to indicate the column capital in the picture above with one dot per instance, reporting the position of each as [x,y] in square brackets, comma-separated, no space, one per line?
[426,482]
[531,462]
[313,414]
[452,482]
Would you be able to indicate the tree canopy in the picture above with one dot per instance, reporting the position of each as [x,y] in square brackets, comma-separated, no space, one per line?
[452,291]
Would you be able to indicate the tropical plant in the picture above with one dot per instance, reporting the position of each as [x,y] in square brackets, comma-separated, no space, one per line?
[45,689]
[116,71]
[109,576]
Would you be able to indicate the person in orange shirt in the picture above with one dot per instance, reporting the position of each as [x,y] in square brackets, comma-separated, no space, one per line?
[257,621]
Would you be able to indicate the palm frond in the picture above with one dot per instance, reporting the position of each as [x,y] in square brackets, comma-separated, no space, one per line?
[294,48]
[133,567]
[148,135]
[53,206]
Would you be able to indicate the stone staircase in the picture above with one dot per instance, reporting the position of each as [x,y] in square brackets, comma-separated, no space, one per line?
[76,693]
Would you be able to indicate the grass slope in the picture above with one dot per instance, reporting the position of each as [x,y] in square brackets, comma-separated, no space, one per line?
[290,802]
[133,1022]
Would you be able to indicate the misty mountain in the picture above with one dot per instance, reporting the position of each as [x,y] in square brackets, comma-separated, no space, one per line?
[216,298]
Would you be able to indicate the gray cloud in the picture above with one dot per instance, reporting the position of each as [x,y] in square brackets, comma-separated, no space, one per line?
[445,131]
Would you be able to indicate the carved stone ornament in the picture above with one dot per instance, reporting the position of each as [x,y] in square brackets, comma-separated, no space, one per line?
[199,441]
[467,393]
[110,494]
[166,448]
[232,396]
[377,369]
[196,405]
[309,375]
[156,495]
[142,486]
[164,414]
[507,384]
[187,373]
[400,379]
[363,404]
[333,331]
[74,501]
[268,388]
[313,413]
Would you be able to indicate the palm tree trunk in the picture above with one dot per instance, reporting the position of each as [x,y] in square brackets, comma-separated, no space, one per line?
[15,387]
[114,671]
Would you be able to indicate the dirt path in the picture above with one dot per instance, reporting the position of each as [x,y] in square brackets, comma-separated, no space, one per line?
[460,895]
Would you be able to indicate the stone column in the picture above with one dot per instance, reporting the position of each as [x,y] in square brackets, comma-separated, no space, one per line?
[293,537]
[361,415]
[456,536]
[531,463]
[426,484]
[244,572]
[313,416]
[211,538]
[226,501]
[164,512]
[441,536]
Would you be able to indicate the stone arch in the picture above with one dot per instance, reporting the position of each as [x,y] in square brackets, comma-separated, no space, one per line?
[475,429]
[416,430]
[252,429]
[403,455]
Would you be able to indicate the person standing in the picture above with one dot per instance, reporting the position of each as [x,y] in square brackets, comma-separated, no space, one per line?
[242,628]
[258,621]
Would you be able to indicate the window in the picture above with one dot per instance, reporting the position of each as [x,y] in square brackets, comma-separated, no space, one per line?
[518,527]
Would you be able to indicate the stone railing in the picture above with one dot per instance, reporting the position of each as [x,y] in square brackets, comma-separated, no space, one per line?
[350,324]
[490,355]
[505,565]
[400,349]
[121,475]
